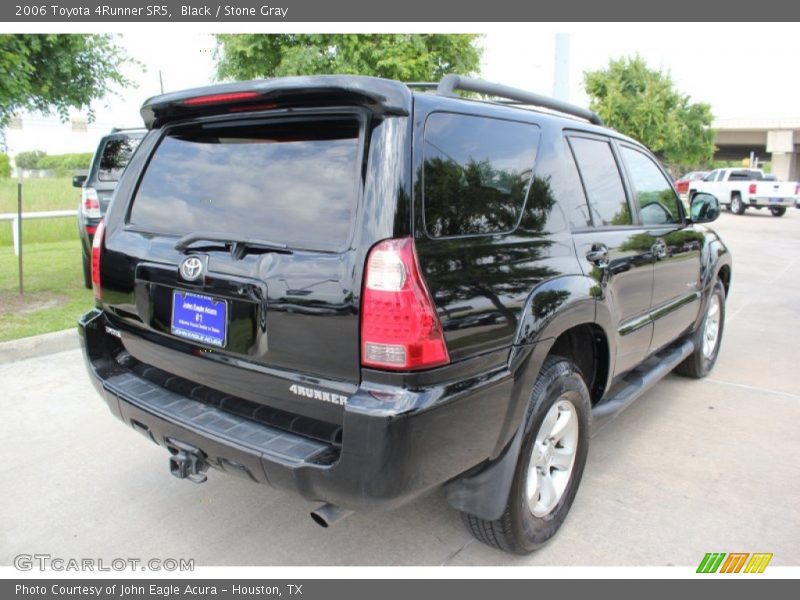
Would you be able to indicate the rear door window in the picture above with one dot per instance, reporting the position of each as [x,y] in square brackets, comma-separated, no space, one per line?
[292,182]
[601,181]
[476,173]
[116,155]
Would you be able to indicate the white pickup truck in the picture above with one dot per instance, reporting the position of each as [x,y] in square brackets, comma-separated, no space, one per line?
[739,189]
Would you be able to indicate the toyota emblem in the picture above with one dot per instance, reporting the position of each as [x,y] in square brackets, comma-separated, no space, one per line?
[191,268]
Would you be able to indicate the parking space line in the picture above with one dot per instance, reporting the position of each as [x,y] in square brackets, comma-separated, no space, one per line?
[754,388]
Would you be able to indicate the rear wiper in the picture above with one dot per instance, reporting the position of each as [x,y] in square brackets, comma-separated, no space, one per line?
[238,245]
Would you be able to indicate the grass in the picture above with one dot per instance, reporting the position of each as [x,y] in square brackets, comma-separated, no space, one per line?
[54,293]
[54,193]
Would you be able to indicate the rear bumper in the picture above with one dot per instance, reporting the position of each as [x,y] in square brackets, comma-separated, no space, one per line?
[785,202]
[396,443]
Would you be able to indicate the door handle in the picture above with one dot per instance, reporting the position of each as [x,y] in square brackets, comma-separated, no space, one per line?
[598,255]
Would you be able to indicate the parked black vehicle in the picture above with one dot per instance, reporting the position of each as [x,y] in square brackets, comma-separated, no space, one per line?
[109,161]
[362,290]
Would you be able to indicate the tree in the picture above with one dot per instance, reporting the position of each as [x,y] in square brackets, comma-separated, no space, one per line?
[5,166]
[644,104]
[56,72]
[29,160]
[407,57]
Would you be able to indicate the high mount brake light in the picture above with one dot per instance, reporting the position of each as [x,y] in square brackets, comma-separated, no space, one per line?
[221,98]
[400,329]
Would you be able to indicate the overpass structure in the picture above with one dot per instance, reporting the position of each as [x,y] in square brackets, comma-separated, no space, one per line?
[771,139]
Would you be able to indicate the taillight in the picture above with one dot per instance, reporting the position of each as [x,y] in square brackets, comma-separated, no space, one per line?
[752,188]
[797,190]
[399,326]
[90,203]
[97,243]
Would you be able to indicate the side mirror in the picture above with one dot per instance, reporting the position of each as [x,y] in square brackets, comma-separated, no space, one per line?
[78,180]
[704,209]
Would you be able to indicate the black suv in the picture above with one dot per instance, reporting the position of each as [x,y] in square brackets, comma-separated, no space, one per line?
[361,290]
[112,155]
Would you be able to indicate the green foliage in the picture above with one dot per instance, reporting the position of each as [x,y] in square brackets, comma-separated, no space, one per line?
[5,166]
[38,194]
[54,292]
[29,160]
[66,162]
[644,104]
[56,72]
[407,57]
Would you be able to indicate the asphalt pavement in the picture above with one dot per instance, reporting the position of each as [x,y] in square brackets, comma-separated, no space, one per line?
[692,467]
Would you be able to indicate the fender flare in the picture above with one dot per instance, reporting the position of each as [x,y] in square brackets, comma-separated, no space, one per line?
[552,308]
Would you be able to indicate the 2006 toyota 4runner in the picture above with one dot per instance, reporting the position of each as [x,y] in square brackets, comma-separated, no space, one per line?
[361,289]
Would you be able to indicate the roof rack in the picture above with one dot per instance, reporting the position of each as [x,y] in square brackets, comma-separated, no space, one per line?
[450,83]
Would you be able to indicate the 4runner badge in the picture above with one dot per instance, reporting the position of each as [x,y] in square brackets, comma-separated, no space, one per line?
[299,390]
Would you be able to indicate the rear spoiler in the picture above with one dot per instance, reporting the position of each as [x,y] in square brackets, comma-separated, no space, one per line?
[381,96]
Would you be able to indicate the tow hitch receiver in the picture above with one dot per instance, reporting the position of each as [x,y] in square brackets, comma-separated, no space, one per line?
[187,462]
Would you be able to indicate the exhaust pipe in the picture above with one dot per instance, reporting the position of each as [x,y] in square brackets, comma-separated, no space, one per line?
[328,514]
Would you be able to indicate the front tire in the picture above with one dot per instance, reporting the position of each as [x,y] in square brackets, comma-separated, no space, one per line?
[707,338]
[550,464]
[777,211]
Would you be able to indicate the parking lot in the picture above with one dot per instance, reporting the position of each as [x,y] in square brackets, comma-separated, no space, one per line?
[693,467]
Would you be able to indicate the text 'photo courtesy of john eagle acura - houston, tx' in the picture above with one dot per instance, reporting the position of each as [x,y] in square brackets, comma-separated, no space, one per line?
[360,290]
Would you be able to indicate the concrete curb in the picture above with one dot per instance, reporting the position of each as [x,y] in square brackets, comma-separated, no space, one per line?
[39,345]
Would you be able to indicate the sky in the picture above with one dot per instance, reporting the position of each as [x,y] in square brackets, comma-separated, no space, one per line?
[715,63]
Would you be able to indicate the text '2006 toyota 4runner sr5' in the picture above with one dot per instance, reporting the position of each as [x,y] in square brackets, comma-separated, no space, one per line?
[360,290]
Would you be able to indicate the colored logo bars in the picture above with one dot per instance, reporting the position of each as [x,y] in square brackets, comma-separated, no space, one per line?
[719,562]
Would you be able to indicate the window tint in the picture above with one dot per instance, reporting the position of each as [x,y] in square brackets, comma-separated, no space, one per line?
[291,182]
[745,175]
[476,173]
[579,215]
[658,204]
[116,155]
[602,181]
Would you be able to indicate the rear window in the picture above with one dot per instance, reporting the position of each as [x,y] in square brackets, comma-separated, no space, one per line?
[745,176]
[290,182]
[476,173]
[117,153]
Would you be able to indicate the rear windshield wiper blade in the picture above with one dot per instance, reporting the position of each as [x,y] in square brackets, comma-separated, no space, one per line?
[238,244]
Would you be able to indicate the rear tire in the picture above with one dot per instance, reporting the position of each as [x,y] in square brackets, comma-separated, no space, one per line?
[777,211]
[737,206]
[707,338]
[550,463]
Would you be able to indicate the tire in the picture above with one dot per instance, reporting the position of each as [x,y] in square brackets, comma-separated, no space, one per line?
[777,211]
[559,393]
[737,206]
[700,362]
[87,273]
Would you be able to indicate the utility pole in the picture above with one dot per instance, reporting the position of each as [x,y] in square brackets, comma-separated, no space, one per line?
[561,67]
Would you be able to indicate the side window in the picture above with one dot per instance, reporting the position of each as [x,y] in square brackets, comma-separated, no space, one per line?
[711,176]
[602,181]
[476,173]
[658,204]
[579,215]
